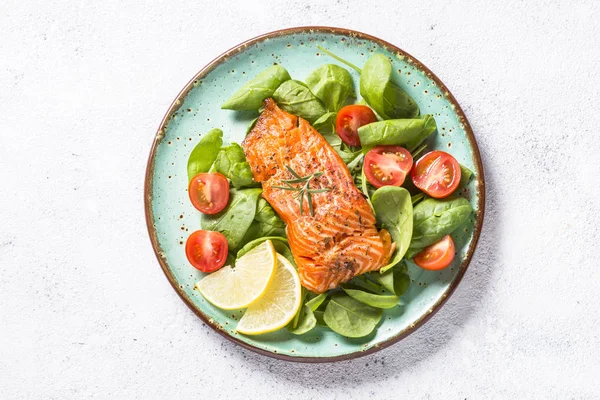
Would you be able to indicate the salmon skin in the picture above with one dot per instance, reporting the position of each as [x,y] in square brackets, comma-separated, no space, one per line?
[341,240]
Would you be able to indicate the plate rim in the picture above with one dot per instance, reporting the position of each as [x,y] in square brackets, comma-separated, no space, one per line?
[149,180]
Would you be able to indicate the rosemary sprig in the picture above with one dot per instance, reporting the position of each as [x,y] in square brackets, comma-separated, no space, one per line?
[304,190]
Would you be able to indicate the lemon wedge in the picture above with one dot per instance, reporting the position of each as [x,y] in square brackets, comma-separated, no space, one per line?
[234,288]
[278,304]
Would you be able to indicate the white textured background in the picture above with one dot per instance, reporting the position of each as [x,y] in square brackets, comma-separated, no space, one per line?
[85,311]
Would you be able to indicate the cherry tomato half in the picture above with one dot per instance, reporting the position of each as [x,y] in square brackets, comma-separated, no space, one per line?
[206,250]
[436,173]
[387,165]
[437,256]
[209,193]
[349,119]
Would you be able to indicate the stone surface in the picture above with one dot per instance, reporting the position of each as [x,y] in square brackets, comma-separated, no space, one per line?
[85,311]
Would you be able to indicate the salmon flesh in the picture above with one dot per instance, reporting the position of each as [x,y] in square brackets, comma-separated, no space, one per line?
[341,240]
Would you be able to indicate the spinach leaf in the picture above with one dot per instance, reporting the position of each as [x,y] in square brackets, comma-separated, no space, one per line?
[332,84]
[436,218]
[394,212]
[295,98]
[365,189]
[465,176]
[320,317]
[252,94]
[274,239]
[205,153]
[395,280]
[373,300]
[385,279]
[400,132]
[401,282]
[232,163]
[325,124]
[385,97]
[316,302]
[340,59]
[350,317]
[306,321]
[251,126]
[236,218]
[269,222]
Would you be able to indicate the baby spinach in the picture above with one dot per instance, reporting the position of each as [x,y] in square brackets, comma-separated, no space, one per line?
[316,302]
[400,132]
[340,59]
[275,240]
[373,300]
[205,153]
[436,218]
[269,222]
[251,125]
[401,282]
[350,317]
[252,94]
[320,317]
[234,221]
[232,163]
[325,124]
[385,97]
[465,176]
[305,322]
[332,84]
[394,212]
[296,98]
[395,280]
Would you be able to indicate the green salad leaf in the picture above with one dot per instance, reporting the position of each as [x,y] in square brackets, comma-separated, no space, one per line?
[305,321]
[205,153]
[385,97]
[332,84]
[394,212]
[232,163]
[274,239]
[235,220]
[465,176]
[436,218]
[373,300]
[316,302]
[325,124]
[400,132]
[350,317]
[252,94]
[269,222]
[296,98]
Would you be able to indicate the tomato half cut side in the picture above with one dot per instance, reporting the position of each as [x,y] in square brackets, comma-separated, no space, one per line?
[387,165]
[206,250]
[437,256]
[349,119]
[209,192]
[436,173]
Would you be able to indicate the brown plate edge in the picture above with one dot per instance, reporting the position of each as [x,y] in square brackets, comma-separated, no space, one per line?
[148,183]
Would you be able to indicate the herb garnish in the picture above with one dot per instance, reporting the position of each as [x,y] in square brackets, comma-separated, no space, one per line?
[303,190]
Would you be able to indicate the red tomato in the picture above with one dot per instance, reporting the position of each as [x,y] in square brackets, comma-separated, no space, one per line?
[349,119]
[437,256]
[387,165]
[436,173]
[209,193]
[206,250]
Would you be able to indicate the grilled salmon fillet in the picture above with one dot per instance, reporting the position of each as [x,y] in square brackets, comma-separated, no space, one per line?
[340,241]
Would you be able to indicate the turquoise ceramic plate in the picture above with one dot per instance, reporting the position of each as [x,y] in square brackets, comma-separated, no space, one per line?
[171,217]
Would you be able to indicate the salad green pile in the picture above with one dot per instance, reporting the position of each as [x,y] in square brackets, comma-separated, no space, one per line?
[413,219]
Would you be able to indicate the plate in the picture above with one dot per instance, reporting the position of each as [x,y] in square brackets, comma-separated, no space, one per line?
[197,109]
